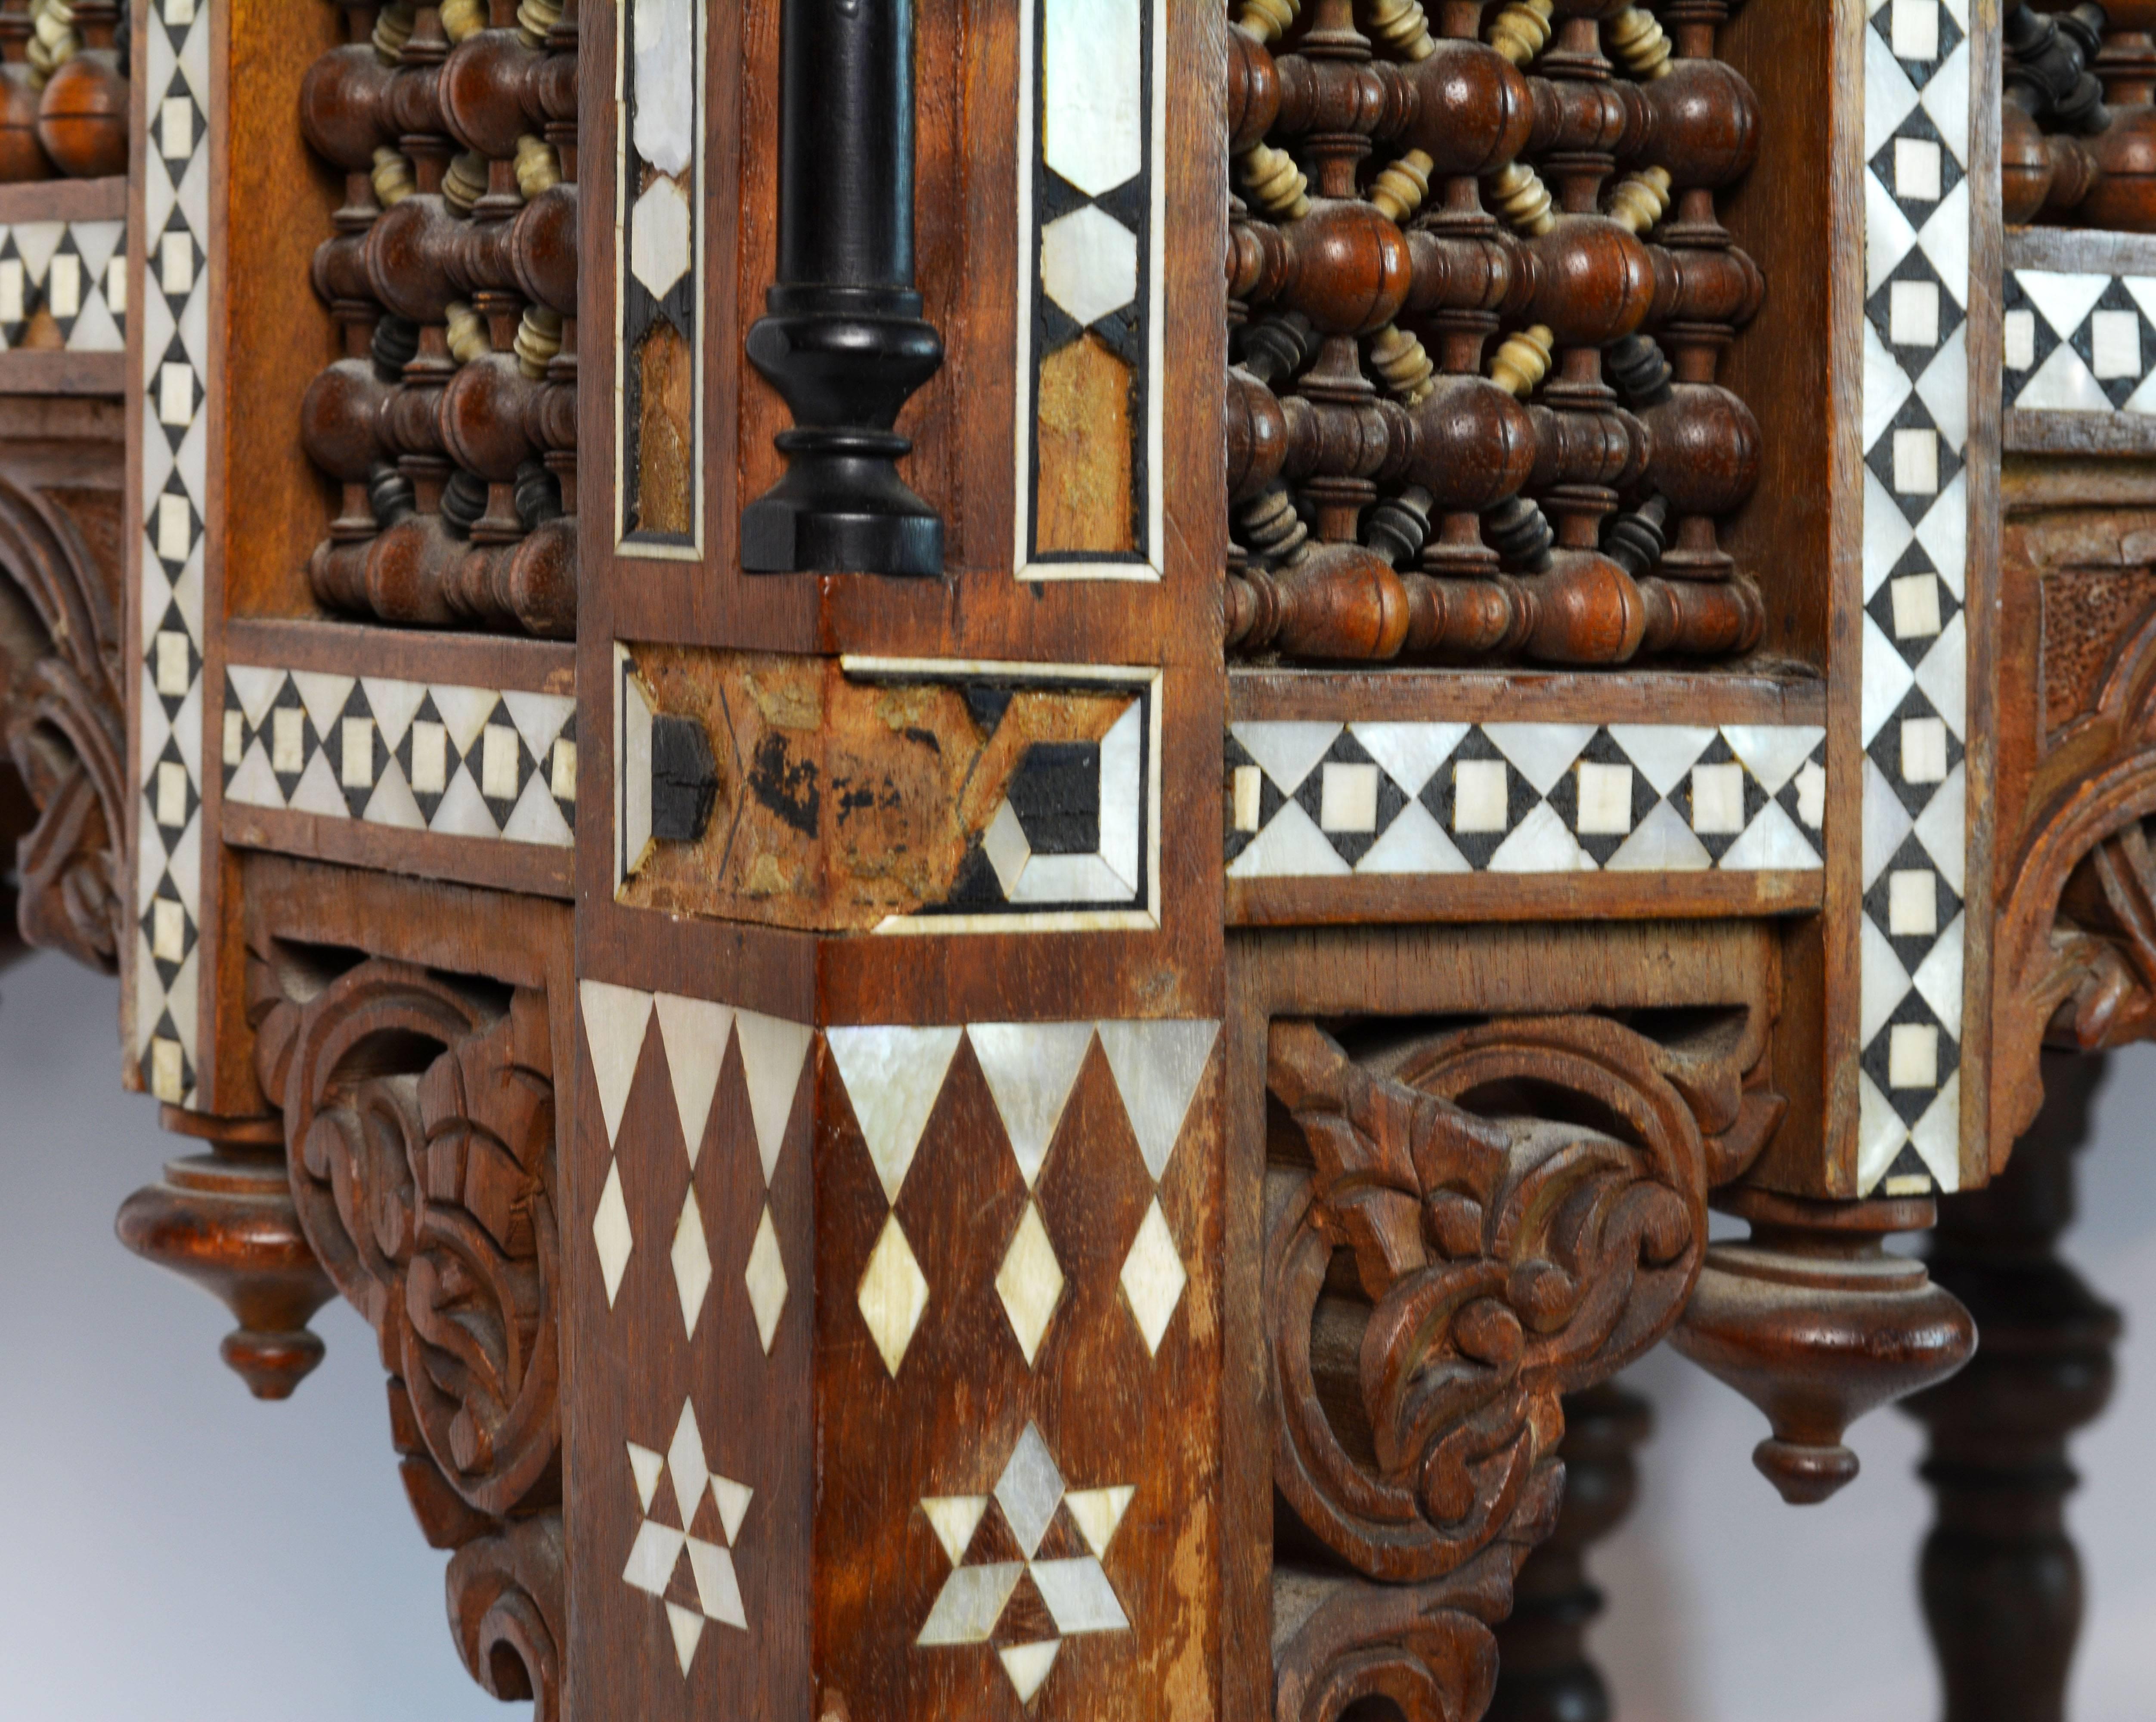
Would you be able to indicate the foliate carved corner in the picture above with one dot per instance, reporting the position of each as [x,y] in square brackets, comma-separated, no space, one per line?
[419,1129]
[1461,1229]
[63,717]
[2076,935]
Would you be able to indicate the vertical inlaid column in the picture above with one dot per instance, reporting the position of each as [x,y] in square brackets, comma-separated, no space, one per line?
[1929,186]
[843,340]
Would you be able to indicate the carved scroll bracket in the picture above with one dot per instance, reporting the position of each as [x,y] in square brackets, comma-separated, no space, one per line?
[419,1131]
[1463,1229]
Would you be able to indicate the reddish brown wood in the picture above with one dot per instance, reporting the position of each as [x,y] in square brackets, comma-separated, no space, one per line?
[1812,1320]
[224,1219]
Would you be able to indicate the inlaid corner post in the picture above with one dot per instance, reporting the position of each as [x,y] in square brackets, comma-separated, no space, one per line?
[2001,1580]
[843,339]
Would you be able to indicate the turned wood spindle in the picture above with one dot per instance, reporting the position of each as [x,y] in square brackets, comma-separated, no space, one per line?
[842,338]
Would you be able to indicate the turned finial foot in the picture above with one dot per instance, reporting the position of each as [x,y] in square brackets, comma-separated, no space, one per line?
[1812,1320]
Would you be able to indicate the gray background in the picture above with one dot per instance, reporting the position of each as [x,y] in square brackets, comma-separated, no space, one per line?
[170,1548]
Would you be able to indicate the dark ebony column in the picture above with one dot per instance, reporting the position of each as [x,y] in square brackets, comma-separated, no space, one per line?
[2002,1582]
[843,339]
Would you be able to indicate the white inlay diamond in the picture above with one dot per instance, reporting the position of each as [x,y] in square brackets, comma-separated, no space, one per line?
[1088,263]
[765,1278]
[893,1294]
[1030,1282]
[691,1256]
[1030,1490]
[1152,1276]
[610,1233]
[659,253]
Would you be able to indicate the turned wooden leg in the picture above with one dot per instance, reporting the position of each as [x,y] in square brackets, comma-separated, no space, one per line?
[1543,1672]
[2002,1583]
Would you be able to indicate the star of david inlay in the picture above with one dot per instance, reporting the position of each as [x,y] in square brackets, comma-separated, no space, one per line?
[692,1524]
[1026,1569]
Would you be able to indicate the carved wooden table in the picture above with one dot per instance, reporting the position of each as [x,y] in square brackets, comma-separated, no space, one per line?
[1009,962]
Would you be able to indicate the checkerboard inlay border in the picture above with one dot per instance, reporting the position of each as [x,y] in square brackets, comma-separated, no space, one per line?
[1320,799]
[1918,142]
[2078,342]
[454,760]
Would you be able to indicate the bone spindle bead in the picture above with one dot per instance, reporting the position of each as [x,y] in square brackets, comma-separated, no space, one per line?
[392,177]
[1269,526]
[1399,189]
[1401,26]
[1268,20]
[462,17]
[1402,362]
[1638,43]
[468,338]
[393,28]
[1640,200]
[1522,360]
[1521,29]
[1274,182]
[535,20]
[1522,199]
[463,183]
[538,167]
[538,339]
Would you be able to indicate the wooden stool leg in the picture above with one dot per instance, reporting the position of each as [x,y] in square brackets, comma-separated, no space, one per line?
[2001,1580]
[1544,1671]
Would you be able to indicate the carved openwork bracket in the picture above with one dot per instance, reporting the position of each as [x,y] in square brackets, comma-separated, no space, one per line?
[1461,1229]
[2076,943]
[419,1131]
[62,715]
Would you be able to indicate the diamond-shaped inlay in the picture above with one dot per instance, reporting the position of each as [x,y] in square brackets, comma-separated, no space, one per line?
[893,1294]
[1153,1277]
[765,1279]
[691,1256]
[610,1233]
[1030,1282]
[1088,263]
[658,237]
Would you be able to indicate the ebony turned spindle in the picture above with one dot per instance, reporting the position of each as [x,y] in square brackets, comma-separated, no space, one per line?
[843,339]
